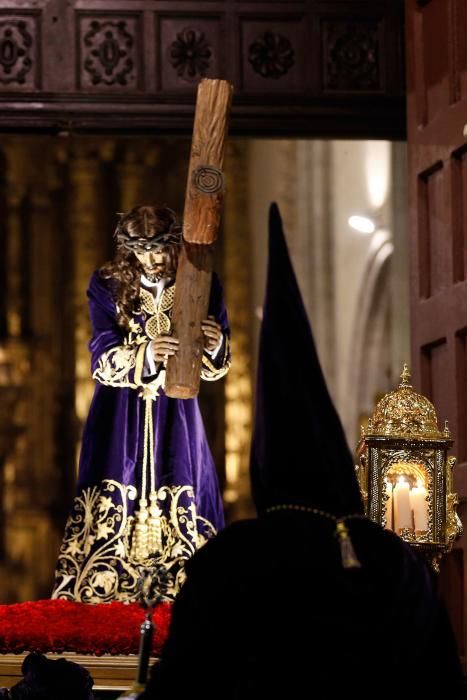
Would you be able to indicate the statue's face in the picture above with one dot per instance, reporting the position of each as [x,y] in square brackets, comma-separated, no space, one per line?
[156,262]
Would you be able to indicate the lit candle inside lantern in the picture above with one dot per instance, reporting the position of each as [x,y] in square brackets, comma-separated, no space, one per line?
[388,505]
[419,506]
[402,508]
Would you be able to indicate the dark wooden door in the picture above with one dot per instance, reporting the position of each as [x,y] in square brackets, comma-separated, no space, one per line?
[437,136]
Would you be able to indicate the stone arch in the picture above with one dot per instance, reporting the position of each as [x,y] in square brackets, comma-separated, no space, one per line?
[370,368]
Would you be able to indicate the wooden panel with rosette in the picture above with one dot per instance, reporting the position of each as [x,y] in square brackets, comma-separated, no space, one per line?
[306,67]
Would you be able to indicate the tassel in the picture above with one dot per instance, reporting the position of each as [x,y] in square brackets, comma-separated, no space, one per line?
[154,525]
[349,558]
[139,545]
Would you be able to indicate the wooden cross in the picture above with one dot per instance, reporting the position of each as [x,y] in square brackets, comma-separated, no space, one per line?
[201,219]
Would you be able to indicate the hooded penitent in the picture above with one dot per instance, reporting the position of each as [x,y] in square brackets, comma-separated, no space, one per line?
[299,452]
[270,608]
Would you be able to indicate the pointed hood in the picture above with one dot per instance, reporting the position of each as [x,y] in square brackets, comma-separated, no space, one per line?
[299,452]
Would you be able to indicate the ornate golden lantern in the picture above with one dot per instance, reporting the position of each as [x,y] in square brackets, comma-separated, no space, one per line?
[405,474]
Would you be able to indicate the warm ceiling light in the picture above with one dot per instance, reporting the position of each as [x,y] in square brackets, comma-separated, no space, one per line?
[363,224]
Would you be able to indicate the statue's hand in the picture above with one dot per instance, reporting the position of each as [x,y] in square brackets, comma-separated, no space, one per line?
[212,333]
[163,347]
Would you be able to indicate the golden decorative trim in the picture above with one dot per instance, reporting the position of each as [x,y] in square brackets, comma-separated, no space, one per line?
[454,527]
[314,511]
[405,376]
[408,468]
[115,365]
[404,413]
[96,562]
[139,362]
[209,372]
[348,556]
[159,322]
[135,331]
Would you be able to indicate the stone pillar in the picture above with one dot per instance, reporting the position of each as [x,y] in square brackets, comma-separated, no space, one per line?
[296,174]
[314,204]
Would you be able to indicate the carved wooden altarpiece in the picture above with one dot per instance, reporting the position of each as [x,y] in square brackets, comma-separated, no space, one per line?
[315,67]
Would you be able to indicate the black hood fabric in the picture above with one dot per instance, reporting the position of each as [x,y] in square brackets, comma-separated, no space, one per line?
[299,452]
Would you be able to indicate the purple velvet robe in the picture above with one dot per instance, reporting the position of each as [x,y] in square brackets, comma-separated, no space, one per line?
[97,561]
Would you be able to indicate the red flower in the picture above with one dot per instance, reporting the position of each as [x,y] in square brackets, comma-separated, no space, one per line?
[63,625]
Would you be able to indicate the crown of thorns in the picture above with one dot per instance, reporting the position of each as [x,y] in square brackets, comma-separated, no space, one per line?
[163,239]
[160,240]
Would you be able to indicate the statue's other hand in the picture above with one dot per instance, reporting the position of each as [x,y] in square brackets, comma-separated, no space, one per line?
[212,333]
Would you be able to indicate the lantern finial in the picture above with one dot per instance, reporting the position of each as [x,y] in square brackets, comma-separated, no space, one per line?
[405,377]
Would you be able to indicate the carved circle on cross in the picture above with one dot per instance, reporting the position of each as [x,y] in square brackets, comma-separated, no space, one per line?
[208,179]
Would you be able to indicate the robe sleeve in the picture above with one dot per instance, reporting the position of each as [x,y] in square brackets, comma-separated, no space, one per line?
[214,368]
[116,360]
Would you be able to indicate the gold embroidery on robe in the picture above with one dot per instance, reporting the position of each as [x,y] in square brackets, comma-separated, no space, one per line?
[95,563]
[116,365]
[209,372]
[158,322]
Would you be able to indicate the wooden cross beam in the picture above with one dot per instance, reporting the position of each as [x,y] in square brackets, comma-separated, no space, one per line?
[201,219]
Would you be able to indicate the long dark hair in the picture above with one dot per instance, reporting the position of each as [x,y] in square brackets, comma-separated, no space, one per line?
[124,270]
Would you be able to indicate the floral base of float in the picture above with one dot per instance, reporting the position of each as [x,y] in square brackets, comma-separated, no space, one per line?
[104,637]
